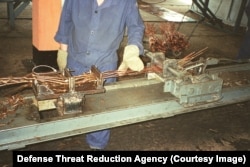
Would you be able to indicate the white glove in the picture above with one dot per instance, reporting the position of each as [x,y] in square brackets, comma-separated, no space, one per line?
[62,59]
[131,59]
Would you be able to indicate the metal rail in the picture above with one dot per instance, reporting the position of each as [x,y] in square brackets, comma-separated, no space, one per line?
[146,102]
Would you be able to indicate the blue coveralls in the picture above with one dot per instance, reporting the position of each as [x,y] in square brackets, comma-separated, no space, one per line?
[244,52]
[93,34]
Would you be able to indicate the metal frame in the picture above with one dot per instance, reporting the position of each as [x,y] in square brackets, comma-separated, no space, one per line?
[202,5]
[31,132]
[14,8]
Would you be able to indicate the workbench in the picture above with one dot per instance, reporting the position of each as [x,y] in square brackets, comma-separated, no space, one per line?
[124,102]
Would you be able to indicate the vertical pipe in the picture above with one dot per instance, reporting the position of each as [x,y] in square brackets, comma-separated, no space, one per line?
[240,15]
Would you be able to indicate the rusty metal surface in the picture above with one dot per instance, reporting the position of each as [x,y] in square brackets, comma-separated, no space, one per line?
[137,105]
[97,103]
[122,98]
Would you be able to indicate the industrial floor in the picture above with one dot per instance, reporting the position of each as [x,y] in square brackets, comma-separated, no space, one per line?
[223,128]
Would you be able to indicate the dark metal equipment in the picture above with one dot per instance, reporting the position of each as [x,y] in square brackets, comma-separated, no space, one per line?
[190,81]
[170,87]
[67,96]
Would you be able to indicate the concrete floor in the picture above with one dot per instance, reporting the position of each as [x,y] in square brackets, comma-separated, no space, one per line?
[223,128]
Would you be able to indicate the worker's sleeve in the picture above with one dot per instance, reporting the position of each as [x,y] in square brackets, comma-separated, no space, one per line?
[135,26]
[62,35]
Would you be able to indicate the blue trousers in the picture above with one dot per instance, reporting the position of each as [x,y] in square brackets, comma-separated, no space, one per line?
[98,139]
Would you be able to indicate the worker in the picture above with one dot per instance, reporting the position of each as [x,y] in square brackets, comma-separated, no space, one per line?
[244,51]
[90,33]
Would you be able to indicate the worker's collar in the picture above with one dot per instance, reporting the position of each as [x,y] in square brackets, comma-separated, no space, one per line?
[107,3]
[100,2]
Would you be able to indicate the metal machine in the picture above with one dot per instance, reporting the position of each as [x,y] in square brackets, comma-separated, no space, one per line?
[69,95]
[169,87]
[187,80]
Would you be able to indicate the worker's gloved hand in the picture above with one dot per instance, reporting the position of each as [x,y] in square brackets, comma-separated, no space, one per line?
[131,59]
[62,59]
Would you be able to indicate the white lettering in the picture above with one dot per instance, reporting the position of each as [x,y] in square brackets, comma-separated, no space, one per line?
[177,158]
[233,160]
[30,158]
[116,158]
[62,158]
[144,160]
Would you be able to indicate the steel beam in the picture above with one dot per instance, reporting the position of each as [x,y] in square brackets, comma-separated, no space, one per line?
[111,114]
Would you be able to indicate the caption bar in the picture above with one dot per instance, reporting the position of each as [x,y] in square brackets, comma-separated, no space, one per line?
[150,157]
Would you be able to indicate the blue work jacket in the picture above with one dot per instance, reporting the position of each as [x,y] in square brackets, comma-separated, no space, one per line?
[93,33]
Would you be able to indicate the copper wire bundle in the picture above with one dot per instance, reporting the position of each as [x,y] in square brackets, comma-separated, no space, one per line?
[47,78]
[190,57]
[165,37]
[116,73]
[57,79]
[8,106]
